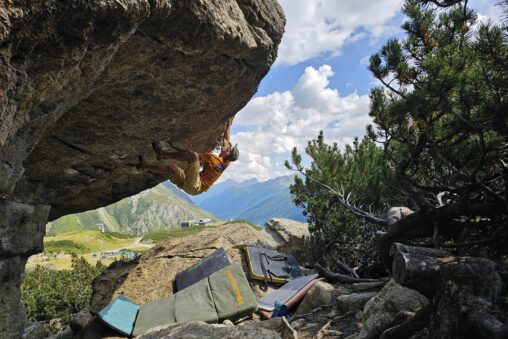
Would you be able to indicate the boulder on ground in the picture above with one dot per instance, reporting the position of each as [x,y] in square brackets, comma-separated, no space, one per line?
[368,286]
[278,324]
[380,311]
[199,329]
[80,319]
[36,330]
[289,234]
[66,333]
[354,301]
[319,295]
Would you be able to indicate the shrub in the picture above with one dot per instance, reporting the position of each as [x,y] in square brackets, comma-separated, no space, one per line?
[50,294]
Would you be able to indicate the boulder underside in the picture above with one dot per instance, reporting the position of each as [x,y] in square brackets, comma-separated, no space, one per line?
[87,86]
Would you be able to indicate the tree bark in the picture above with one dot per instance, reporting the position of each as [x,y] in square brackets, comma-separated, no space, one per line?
[421,224]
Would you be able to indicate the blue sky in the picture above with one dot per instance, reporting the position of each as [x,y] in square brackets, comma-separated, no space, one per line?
[319,81]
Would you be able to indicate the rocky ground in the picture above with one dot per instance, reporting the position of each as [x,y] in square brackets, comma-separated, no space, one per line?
[359,310]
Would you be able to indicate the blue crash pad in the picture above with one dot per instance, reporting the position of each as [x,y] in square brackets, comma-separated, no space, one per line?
[120,314]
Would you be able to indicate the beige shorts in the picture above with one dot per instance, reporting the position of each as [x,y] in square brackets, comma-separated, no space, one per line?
[187,177]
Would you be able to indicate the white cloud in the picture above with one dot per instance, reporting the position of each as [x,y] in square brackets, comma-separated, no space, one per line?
[280,121]
[487,10]
[317,27]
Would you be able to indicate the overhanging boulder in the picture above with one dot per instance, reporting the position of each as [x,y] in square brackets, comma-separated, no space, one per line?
[87,86]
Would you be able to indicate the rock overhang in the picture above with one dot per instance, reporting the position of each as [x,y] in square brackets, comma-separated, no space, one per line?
[89,85]
[86,86]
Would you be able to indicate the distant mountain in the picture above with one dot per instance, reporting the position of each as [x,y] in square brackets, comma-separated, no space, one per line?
[158,208]
[251,200]
[219,188]
[279,206]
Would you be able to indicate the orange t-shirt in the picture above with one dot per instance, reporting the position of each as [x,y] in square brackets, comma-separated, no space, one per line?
[213,166]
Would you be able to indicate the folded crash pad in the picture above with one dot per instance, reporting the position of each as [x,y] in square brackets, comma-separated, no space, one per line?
[225,294]
[120,314]
[290,294]
[285,293]
[202,269]
[271,266]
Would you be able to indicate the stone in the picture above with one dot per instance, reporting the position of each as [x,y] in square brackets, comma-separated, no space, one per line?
[319,295]
[379,312]
[80,319]
[22,227]
[277,324]
[66,333]
[354,301]
[228,323]
[367,286]
[288,332]
[199,329]
[394,214]
[87,86]
[96,329]
[289,234]
[35,330]
[12,312]
[298,324]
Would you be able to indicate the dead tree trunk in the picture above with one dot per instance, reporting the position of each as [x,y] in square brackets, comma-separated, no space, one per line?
[423,223]
[462,290]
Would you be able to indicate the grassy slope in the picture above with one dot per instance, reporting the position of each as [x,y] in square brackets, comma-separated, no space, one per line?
[159,236]
[154,209]
[92,240]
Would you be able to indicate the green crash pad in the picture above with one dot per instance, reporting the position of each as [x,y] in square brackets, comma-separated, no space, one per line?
[225,294]
[208,265]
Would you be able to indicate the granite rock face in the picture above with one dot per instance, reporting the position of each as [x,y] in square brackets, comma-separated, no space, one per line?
[87,86]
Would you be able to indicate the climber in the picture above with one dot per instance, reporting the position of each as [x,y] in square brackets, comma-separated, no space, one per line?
[187,175]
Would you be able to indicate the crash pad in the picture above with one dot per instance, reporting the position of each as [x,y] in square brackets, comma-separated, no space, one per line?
[208,265]
[225,294]
[271,266]
[120,314]
[285,293]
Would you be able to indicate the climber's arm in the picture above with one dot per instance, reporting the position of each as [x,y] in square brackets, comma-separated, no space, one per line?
[227,133]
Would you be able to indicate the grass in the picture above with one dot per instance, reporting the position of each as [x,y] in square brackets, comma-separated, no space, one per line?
[64,246]
[95,241]
[243,221]
[118,235]
[159,236]
[57,248]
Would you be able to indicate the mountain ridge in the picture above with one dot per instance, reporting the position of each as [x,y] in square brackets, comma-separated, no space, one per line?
[251,200]
[159,208]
